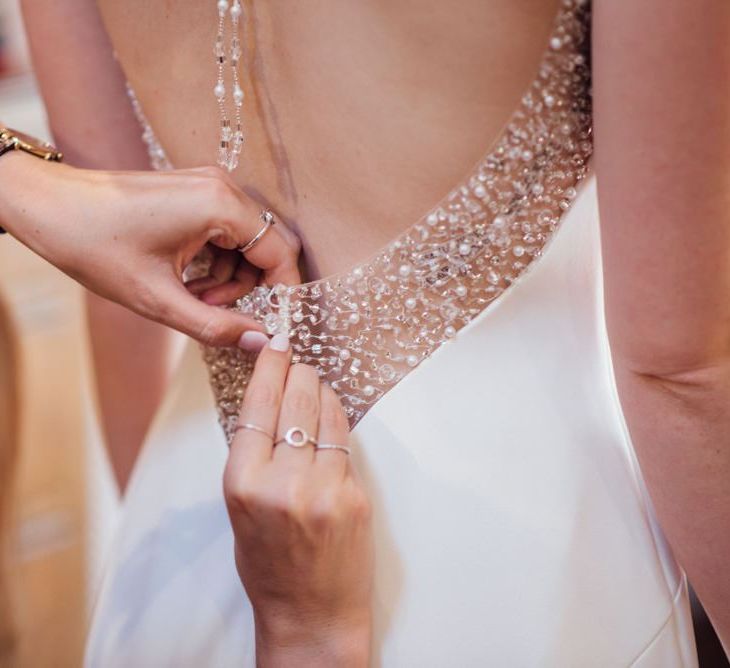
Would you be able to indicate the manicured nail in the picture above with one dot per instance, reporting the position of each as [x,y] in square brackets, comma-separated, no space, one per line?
[252,342]
[279,342]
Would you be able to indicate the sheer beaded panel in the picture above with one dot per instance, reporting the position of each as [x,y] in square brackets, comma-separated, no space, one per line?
[158,157]
[366,329]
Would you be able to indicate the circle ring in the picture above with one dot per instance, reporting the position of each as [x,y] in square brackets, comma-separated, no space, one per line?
[268,219]
[296,437]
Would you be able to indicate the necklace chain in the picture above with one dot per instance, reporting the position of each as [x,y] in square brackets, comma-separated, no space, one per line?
[231,131]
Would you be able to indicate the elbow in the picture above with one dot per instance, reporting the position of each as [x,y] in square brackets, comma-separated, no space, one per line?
[693,372]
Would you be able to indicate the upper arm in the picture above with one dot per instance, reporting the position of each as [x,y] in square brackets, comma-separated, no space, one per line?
[662,133]
[82,85]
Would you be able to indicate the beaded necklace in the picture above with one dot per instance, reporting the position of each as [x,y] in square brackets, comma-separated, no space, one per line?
[231,136]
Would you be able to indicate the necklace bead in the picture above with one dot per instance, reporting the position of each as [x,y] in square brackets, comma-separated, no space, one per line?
[231,139]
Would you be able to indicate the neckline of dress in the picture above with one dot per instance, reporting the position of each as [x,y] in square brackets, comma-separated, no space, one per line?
[160,160]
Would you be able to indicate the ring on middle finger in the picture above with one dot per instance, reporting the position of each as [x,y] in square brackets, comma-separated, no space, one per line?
[296,437]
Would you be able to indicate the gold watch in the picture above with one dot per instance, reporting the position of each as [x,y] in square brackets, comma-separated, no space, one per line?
[12,140]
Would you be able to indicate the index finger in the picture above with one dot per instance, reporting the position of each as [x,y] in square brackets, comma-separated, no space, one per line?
[211,325]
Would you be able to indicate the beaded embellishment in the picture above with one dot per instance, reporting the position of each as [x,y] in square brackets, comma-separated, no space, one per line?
[364,330]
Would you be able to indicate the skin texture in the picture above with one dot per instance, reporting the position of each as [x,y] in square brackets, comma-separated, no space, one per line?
[297,511]
[662,127]
[133,357]
[348,155]
[146,228]
[417,95]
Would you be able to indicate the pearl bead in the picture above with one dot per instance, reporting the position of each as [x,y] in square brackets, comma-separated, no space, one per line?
[405,270]
[556,43]
[238,95]
[219,91]
[298,316]
[518,251]
[354,318]
[412,360]
[368,390]
[411,303]
[358,273]
[499,222]
[464,249]
[236,11]
[461,290]
[222,6]
[450,331]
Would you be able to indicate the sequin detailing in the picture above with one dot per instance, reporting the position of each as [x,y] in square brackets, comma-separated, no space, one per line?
[364,330]
[158,157]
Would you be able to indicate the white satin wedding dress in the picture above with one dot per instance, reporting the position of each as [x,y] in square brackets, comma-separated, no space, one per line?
[512,524]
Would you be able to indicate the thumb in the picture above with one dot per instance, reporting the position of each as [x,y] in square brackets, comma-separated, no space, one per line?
[210,325]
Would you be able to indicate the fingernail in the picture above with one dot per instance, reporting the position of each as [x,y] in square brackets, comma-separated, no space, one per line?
[279,342]
[252,342]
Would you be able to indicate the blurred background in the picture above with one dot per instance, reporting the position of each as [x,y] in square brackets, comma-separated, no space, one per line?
[60,505]
[57,539]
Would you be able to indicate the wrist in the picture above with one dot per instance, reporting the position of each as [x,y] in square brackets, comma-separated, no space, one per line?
[16,176]
[283,641]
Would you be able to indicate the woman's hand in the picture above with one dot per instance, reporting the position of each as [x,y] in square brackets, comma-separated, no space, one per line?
[128,236]
[301,520]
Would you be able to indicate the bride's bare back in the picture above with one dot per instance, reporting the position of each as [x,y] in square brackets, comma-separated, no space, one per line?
[359,116]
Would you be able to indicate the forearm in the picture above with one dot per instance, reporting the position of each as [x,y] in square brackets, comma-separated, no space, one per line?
[133,360]
[680,428]
[662,134]
[94,125]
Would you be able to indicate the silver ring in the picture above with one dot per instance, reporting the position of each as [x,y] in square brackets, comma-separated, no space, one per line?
[332,446]
[268,219]
[254,427]
[296,437]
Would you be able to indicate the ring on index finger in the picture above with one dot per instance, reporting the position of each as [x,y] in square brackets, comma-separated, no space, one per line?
[254,427]
[268,219]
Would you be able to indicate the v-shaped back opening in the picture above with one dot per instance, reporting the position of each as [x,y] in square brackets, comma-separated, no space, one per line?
[365,329]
